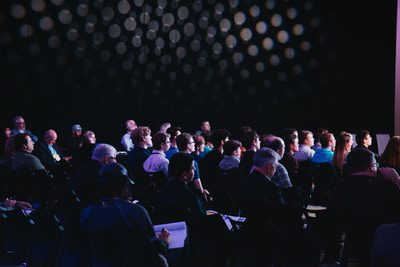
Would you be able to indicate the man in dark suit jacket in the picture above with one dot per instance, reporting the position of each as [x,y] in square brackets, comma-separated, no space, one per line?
[270,218]
[48,152]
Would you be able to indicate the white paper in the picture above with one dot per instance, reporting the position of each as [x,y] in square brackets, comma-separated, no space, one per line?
[178,231]
[315,208]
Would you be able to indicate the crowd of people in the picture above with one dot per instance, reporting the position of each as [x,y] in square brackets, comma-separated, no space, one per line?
[176,175]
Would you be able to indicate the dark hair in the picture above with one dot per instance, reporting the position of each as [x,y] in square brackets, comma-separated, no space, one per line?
[248,137]
[273,142]
[289,139]
[159,139]
[20,140]
[288,131]
[230,147]
[360,136]
[325,138]
[183,140]
[359,160]
[138,135]
[218,136]
[303,136]
[114,181]
[178,164]
[173,131]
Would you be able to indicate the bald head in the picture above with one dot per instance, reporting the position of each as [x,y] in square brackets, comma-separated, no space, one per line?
[50,137]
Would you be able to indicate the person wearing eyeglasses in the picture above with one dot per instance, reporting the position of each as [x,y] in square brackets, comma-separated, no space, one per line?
[20,127]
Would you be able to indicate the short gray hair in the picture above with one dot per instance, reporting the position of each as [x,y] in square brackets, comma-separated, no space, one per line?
[102,151]
[265,156]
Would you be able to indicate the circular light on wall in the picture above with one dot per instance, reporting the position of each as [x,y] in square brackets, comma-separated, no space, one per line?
[98,38]
[282,36]
[217,48]
[124,7]
[72,35]
[89,27]
[274,60]
[26,30]
[260,67]
[246,34]
[183,13]
[291,13]
[174,36]
[261,27]
[54,42]
[46,23]
[65,16]
[195,45]
[305,45]
[57,2]
[38,5]
[252,50]
[114,31]
[276,20]
[225,25]
[219,9]
[160,43]
[107,13]
[237,57]
[230,41]
[136,41]
[189,29]
[298,29]
[267,43]
[121,48]
[289,53]
[197,6]
[138,3]
[255,11]
[180,52]
[168,19]
[82,10]
[239,18]
[17,11]
[130,24]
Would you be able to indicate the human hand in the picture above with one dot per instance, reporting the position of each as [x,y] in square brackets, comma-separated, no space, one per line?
[9,203]
[165,235]
[206,195]
[23,205]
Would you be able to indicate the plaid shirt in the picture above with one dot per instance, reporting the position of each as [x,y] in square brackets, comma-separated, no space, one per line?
[281,177]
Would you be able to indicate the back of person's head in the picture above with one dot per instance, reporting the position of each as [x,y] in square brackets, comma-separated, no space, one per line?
[138,135]
[114,181]
[178,164]
[19,141]
[391,155]
[274,142]
[198,140]
[183,140]
[159,139]
[231,146]
[303,136]
[290,139]
[361,135]
[174,131]
[248,138]
[359,160]
[325,139]
[218,136]
[265,156]
[207,136]
[103,151]
[289,131]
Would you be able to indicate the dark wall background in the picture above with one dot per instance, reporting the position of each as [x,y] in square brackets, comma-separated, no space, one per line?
[267,64]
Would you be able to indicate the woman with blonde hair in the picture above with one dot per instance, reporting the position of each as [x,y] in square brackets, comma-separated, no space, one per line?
[344,142]
[391,156]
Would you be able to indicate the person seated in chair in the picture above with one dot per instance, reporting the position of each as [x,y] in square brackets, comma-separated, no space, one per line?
[48,152]
[177,195]
[116,214]
[23,159]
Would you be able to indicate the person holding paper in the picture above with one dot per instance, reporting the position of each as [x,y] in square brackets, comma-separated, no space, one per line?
[116,214]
